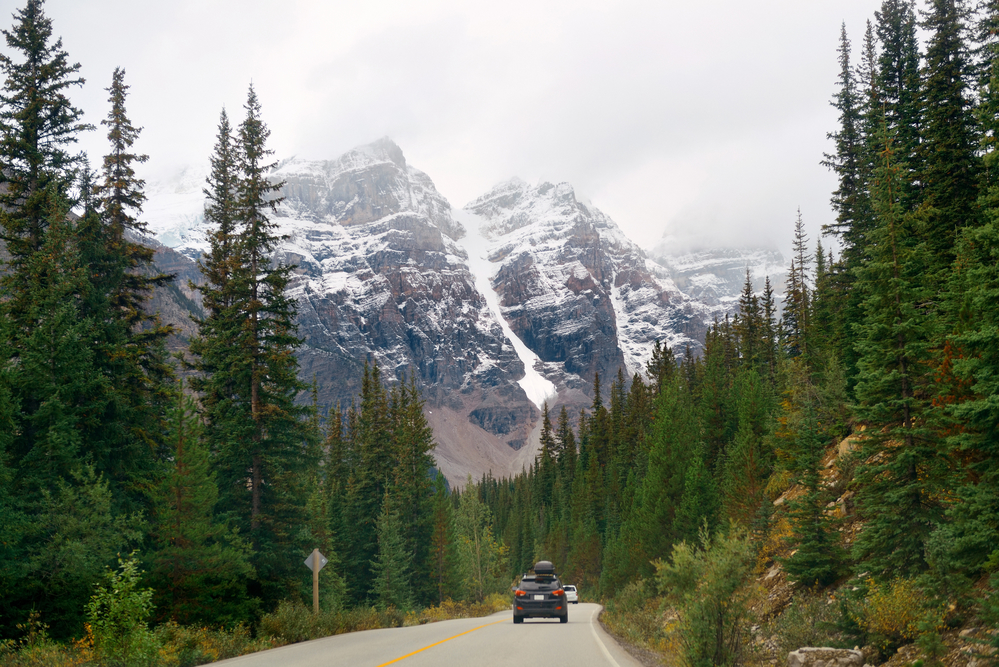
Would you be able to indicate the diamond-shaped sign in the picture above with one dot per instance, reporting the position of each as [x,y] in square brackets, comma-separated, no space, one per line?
[322,561]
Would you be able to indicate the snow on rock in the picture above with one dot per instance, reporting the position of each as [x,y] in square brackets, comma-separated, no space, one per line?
[538,388]
[574,288]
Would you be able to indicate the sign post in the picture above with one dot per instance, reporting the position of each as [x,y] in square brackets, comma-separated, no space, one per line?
[315,562]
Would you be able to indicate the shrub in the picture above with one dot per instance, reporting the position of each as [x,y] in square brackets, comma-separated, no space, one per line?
[117,615]
[809,621]
[708,587]
[35,649]
[894,613]
[636,614]
[186,646]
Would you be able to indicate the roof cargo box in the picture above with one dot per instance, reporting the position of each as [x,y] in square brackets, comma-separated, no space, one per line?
[544,567]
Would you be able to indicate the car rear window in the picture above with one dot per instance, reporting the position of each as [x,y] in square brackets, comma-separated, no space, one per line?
[540,584]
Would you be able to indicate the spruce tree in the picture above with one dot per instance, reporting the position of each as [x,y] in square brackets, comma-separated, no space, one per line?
[258,432]
[198,564]
[902,501]
[129,343]
[948,166]
[816,559]
[38,125]
[849,200]
[897,88]
[391,569]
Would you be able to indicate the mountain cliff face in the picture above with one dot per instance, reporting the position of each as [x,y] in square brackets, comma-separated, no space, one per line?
[579,294]
[521,297]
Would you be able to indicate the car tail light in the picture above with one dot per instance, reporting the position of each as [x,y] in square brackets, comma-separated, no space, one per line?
[558,592]
[520,594]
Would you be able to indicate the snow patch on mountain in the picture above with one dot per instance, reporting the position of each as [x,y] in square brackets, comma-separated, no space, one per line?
[477,247]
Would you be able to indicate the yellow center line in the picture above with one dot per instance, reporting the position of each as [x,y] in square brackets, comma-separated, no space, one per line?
[392,662]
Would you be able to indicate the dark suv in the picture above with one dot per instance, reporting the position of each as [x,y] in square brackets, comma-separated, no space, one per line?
[540,595]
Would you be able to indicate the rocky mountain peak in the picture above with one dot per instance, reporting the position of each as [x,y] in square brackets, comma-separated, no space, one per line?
[521,297]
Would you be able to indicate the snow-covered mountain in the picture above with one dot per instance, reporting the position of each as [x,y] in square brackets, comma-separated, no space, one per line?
[519,298]
[715,276]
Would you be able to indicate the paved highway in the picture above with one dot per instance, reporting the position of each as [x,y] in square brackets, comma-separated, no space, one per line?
[492,641]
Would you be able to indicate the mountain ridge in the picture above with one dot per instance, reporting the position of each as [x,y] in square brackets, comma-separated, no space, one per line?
[519,298]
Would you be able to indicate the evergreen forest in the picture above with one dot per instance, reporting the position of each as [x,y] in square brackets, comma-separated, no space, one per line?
[845,437]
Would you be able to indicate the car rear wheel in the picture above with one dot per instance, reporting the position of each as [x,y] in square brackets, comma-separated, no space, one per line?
[563,619]
[518,619]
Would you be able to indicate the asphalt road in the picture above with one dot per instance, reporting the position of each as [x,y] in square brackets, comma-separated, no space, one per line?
[492,641]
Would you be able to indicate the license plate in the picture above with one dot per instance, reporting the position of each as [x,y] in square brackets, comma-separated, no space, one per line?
[539,597]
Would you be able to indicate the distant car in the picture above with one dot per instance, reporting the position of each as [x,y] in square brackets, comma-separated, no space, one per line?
[570,594]
[540,595]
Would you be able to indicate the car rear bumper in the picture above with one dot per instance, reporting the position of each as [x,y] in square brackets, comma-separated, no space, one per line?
[539,609]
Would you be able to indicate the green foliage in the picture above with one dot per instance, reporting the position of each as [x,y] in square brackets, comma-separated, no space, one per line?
[810,620]
[890,614]
[817,559]
[482,559]
[117,616]
[199,565]
[707,585]
[74,533]
[392,567]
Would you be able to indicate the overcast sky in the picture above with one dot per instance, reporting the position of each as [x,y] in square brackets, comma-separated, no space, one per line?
[693,118]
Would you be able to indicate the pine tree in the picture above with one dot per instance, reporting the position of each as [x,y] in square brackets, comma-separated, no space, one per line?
[38,124]
[370,477]
[74,533]
[897,87]
[129,343]
[56,379]
[850,198]
[797,301]
[481,558]
[198,564]
[749,326]
[816,559]
[771,346]
[546,461]
[213,346]
[675,435]
[948,166]
[392,567]
[566,445]
[661,366]
[902,484]
[699,505]
[443,544]
[412,488]
[255,427]
[748,461]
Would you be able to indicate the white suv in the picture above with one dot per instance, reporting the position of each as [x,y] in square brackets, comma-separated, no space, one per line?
[570,594]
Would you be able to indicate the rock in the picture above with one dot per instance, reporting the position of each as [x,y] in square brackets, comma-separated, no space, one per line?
[848,445]
[825,657]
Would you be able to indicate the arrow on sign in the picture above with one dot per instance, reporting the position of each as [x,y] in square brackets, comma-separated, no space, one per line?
[322,561]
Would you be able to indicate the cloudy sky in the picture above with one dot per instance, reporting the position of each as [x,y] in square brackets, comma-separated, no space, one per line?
[703,120]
